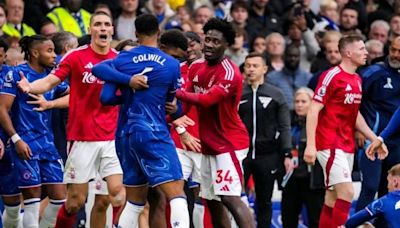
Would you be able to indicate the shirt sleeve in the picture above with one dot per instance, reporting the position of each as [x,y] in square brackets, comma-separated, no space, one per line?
[393,126]
[324,87]
[107,71]
[9,84]
[220,90]
[61,89]
[64,68]
[108,95]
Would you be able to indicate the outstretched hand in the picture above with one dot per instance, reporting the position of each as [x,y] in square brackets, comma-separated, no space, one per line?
[189,142]
[41,102]
[377,147]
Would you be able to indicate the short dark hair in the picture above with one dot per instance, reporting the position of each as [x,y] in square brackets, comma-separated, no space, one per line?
[146,24]
[264,57]
[60,39]
[3,44]
[222,26]
[28,42]
[346,40]
[174,38]
[239,4]
[97,14]
[193,36]
[350,6]
[122,44]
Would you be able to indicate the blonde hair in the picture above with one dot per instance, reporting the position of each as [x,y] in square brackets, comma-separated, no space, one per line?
[331,36]
[395,170]
[328,4]
[306,91]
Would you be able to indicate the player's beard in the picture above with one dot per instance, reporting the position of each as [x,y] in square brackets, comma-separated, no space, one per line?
[394,63]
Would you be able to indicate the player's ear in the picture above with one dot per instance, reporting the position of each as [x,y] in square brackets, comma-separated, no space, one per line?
[34,53]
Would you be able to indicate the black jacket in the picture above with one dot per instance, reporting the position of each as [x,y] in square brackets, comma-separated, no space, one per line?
[266,116]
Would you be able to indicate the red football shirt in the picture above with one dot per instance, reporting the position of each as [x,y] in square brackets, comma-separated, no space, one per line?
[220,127]
[192,114]
[340,93]
[88,119]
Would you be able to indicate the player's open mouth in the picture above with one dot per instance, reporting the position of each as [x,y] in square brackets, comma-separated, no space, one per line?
[103,37]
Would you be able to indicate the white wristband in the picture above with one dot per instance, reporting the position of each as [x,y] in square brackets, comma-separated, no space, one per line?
[15,138]
[180,130]
[380,139]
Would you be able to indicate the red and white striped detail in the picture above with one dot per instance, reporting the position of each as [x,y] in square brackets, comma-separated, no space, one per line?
[330,75]
[229,72]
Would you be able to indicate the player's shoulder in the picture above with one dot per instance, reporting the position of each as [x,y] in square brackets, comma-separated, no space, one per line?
[375,70]
[230,71]
[197,63]
[76,53]
[330,75]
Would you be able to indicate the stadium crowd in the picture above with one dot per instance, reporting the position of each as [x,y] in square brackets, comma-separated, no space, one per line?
[177,113]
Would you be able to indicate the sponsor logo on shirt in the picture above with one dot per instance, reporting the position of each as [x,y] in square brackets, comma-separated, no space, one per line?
[348,88]
[88,77]
[352,98]
[201,90]
[388,84]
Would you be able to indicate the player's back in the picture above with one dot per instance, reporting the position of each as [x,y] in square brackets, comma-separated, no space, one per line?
[147,112]
[220,127]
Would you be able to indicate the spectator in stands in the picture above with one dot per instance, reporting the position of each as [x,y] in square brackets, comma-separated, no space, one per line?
[329,14]
[125,22]
[2,18]
[198,28]
[275,44]
[379,30]
[264,111]
[333,57]
[48,29]
[375,50]
[306,184]
[14,56]
[239,14]
[262,20]
[104,8]
[310,16]
[300,35]
[36,15]
[203,14]
[394,26]
[236,52]
[72,18]
[161,9]
[14,26]
[258,44]
[321,63]
[349,21]
[291,77]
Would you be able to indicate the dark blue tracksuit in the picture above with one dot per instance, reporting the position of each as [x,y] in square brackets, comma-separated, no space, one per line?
[381,98]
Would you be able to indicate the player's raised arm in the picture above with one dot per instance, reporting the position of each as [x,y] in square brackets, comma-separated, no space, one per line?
[39,86]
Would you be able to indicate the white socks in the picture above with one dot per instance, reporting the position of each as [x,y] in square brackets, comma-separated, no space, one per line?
[179,213]
[31,213]
[50,213]
[198,215]
[11,216]
[130,215]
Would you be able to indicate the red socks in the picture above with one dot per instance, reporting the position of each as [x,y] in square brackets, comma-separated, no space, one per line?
[325,219]
[64,219]
[116,213]
[340,212]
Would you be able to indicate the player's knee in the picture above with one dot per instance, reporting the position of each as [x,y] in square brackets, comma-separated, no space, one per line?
[101,203]
[346,194]
[117,194]
[75,202]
